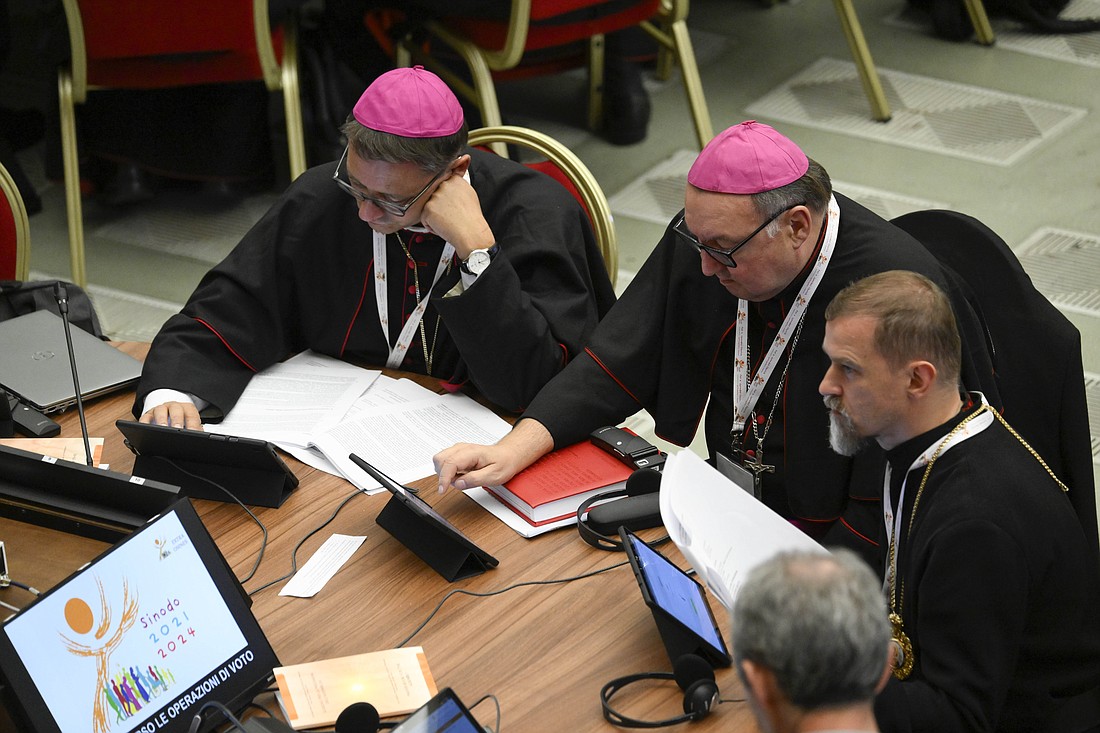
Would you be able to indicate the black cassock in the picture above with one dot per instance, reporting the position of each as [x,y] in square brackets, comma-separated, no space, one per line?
[303,278]
[1002,611]
[667,346]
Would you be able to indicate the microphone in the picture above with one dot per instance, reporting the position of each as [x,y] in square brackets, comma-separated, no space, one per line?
[61,295]
[360,717]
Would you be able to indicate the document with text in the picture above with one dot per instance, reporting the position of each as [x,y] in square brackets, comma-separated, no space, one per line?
[720,528]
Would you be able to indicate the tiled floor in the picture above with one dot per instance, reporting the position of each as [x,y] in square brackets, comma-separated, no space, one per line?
[1007,133]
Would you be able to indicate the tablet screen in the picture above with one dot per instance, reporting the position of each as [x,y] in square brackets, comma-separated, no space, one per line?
[444,713]
[669,590]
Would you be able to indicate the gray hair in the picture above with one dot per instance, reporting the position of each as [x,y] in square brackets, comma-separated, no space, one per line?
[433,154]
[813,189]
[818,622]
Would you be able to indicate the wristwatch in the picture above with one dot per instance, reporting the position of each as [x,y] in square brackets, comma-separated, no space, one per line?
[479,259]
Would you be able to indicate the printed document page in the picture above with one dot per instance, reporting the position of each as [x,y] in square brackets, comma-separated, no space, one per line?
[288,402]
[400,439]
[721,529]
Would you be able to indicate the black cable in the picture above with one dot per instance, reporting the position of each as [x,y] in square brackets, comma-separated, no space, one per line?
[504,590]
[5,582]
[227,492]
[490,696]
[294,553]
[196,722]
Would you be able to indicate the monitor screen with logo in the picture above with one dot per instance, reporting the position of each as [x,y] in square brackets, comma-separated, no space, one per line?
[138,640]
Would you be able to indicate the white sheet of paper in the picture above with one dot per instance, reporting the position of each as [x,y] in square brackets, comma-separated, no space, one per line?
[324,564]
[400,439]
[288,402]
[721,529]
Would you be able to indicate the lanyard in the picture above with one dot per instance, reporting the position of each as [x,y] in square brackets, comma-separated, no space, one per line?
[892,518]
[745,395]
[381,288]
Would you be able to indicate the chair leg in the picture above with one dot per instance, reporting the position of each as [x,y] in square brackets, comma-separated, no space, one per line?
[983,31]
[868,75]
[72,177]
[596,68]
[693,85]
[292,103]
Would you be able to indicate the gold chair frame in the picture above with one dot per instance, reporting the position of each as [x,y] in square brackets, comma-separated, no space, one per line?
[72,89]
[668,28]
[599,212]
[868,74]
[22,228]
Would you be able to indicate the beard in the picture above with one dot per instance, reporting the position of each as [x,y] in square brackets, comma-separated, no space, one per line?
[844,439]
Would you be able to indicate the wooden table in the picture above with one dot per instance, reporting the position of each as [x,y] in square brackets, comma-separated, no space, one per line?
[544,651]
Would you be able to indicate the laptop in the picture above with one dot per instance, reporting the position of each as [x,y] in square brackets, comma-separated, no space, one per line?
[141,639]
[34,363]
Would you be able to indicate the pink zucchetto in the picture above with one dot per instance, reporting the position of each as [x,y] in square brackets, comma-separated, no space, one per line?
[410,102]
[746,159]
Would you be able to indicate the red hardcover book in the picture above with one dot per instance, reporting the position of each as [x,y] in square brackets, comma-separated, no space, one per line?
[555,485]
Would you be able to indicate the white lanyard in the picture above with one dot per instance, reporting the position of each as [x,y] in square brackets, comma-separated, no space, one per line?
[381,287]
[744,396]
[891,518]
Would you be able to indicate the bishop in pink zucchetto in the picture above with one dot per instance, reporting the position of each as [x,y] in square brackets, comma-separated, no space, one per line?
[410,102]
[748,158]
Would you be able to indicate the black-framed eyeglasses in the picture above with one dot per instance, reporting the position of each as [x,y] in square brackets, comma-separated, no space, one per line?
[390,207]
[723,256]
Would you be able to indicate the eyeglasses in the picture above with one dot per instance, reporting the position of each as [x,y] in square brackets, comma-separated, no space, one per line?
[390,207]
[723,256]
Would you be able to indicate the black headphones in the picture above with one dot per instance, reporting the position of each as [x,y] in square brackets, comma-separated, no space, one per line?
[694,676]
[639,508]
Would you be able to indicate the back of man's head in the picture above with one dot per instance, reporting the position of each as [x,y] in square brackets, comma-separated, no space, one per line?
[818,622]
[408,115]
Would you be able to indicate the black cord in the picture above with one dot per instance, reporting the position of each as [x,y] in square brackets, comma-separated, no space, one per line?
[6,581]
[463,591]
[196,722]
[483,698]
[227,492]
[294,553]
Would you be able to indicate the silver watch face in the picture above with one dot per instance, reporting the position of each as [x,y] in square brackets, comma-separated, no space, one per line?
[478,260]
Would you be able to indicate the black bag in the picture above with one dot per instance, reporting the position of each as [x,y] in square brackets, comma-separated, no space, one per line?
[951,21]
[18,299]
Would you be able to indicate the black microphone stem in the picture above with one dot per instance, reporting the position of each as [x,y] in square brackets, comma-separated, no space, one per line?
[63,306]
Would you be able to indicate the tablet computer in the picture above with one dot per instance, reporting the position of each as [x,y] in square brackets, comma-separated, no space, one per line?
[444,713]
[138,640]
[678,603]
[207,465]
[441,544]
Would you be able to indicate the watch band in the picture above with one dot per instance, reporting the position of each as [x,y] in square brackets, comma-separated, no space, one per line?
[491,252]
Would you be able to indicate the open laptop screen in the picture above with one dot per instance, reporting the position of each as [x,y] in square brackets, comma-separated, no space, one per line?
[138,639]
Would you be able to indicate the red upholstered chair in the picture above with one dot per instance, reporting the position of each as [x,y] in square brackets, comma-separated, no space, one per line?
[15,240]
[498,49]
[154,44]
[561,164]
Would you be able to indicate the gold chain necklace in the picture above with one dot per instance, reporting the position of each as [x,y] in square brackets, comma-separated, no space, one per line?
[904,655]
[429,356]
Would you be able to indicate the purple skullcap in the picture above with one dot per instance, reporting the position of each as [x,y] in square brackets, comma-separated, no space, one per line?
[410,102]
[748,158]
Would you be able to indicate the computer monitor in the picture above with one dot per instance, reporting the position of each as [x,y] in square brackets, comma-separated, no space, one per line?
[678,603]
[138,640]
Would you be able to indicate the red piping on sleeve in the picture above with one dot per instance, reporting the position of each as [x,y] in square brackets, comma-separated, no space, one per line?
[225,343]
[612,375]
[358,307]
[858,534]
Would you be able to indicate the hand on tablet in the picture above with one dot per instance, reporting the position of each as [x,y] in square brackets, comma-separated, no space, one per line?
[174,414]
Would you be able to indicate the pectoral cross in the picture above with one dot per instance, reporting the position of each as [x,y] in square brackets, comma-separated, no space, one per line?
[753,460]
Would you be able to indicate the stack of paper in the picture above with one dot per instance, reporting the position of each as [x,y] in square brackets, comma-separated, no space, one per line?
[320,410]
[722,530]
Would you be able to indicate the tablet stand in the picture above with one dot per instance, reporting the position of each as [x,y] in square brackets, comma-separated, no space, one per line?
[253,486]
[429,542]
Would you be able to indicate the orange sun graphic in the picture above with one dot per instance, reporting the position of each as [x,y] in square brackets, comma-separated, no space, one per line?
[78,614]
